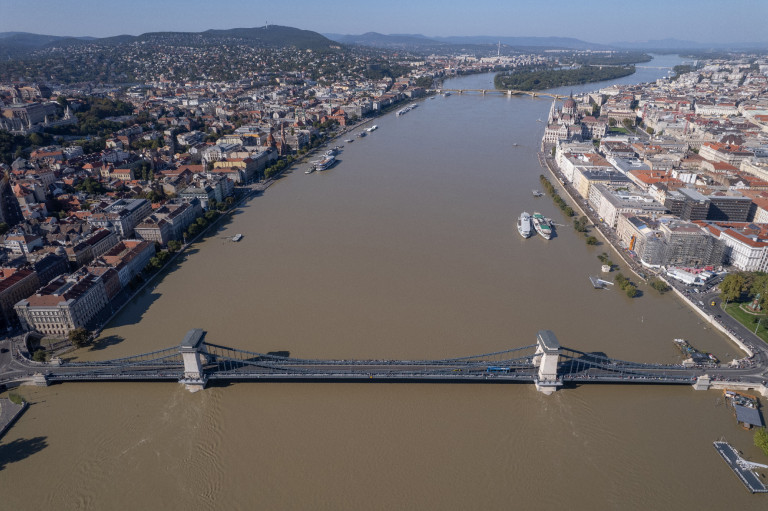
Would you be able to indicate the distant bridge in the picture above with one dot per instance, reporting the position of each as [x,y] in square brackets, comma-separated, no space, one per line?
[506,92]
[636,66]
[546,364]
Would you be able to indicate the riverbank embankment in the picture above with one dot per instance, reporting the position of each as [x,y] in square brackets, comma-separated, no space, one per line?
[9,413]
[577,202]
[712,320]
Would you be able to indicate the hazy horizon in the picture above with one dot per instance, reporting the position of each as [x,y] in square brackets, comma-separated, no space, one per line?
[602,22]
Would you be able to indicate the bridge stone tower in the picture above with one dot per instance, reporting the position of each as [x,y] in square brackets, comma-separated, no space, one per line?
[546,359]
[194,352]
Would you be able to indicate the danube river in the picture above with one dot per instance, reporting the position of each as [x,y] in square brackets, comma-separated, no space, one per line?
[406,249]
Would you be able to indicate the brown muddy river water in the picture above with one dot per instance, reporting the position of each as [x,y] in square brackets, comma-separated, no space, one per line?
[405,249]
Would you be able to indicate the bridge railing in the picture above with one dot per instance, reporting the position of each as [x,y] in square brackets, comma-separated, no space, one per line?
[225,364]
[578,365]
[163,356]
[233,354]
[600,359]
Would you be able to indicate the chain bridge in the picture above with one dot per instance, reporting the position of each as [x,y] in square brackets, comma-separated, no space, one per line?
[506,92]
[195,362]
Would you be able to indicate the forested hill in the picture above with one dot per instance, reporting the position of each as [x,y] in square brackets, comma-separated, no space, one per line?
[550,78]
[18,44]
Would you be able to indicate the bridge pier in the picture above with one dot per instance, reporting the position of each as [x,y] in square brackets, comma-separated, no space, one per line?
[40,380]
[702,383]
[193,353]
[546,359]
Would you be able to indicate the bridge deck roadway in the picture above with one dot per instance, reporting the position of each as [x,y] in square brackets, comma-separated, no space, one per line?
[508,366]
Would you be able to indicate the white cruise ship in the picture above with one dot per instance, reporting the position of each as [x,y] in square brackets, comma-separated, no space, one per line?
[524,225]
[542,225]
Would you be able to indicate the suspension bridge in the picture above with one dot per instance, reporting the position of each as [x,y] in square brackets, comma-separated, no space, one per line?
[546,364]
[506,92]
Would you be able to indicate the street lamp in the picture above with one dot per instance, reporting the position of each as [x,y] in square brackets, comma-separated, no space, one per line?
[758,325]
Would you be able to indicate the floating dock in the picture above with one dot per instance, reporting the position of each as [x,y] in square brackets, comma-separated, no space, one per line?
[745,408]
[599,283]
[743,469]
[695,356]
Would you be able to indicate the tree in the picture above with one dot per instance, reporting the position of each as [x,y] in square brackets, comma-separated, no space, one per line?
[759,285]
[659,285]
[591,240]
[611,122]
[39,356]
[193,230]
[36,139]
[650,130]
[627,123]
[732,286]
[761,439]
[631,290]
[79,337]
[174,246]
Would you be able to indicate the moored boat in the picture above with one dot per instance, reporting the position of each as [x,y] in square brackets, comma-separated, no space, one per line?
[524,225]
[542,225]
[326,162]
[237,237]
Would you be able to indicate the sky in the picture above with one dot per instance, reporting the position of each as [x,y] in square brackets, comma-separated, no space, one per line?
[598,21]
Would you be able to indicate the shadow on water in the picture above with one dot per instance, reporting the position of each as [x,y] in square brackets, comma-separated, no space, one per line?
[135,310]
[141,303]
[21,449]
[106,342]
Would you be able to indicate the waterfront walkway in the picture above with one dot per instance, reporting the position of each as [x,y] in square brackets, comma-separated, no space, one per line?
[584,208]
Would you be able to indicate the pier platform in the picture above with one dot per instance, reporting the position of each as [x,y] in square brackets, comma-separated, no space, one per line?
[9,412]
[742,468]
